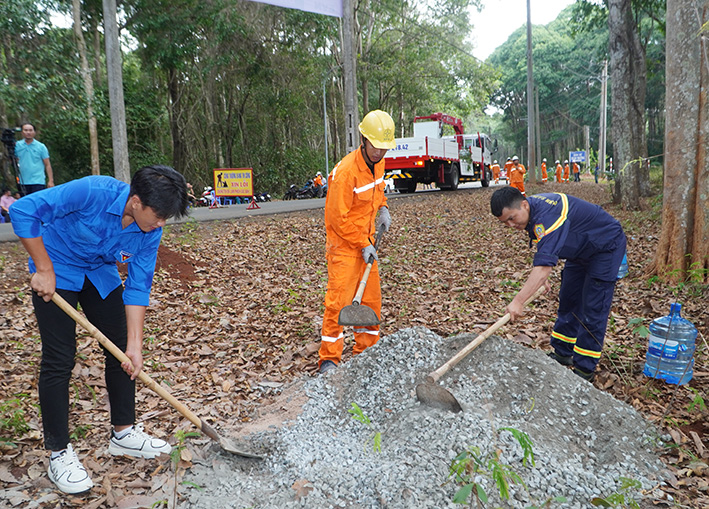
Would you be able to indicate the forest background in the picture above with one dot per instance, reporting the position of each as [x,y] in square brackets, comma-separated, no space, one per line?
[232,83]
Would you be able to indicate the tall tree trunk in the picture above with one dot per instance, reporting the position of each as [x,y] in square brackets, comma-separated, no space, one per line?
[683,250]
[175,110]
[121,164]
[97,54]
[88,86]
[628,85]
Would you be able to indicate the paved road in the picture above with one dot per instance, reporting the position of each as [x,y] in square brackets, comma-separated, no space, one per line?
[236,211]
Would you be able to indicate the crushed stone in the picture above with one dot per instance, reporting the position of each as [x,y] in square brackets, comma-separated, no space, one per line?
[583,439]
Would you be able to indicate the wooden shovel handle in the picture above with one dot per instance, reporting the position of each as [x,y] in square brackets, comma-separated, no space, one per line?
[435,375]
[363,282]
[121,356]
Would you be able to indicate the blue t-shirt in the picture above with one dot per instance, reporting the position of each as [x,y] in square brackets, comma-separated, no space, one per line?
[573,229]
[80,224]
[31,157]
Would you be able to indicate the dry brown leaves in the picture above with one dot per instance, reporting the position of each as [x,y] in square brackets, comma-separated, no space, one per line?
[236,313]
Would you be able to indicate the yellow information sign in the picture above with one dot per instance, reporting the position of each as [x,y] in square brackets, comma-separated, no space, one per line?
[234,181]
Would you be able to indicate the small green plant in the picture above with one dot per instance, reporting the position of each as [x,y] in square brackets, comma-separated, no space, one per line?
[623,497]
[697,401]
[12,419]
[80,431]
[638,327]
[472,464]
[376,436]
[178,455]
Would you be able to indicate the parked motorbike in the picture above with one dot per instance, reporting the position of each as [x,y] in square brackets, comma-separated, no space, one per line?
[307,191]
[292,193]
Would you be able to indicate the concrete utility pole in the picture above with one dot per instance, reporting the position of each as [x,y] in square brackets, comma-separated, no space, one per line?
[530,101]
[350,75]
[538,130]
[602,136]
[587,145]
[119,134]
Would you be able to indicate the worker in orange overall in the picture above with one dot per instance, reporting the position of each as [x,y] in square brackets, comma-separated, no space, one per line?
[559,170]
[577,172]
[355,208]
[566,171]
[508,168]
[544,170]
[495,171]
[517,175]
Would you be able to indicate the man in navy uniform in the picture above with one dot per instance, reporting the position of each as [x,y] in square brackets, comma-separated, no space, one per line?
[593,244]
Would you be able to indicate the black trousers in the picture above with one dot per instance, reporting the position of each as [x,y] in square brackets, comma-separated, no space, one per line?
[58,333]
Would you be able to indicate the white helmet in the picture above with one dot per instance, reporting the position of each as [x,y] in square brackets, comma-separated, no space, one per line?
[495,161]
[544,160]
[515,158]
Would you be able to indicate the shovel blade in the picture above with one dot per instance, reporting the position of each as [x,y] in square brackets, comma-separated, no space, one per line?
[435,396]
[357,314]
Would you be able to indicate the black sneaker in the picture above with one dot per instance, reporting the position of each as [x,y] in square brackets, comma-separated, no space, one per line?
[585,374]
[561,359]
[326,366]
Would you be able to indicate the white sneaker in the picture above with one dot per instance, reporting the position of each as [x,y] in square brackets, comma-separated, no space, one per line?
[138,444]
[67,472]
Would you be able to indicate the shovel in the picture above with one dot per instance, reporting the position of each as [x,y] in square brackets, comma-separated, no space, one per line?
[356,314]
[225,443]
[431,394]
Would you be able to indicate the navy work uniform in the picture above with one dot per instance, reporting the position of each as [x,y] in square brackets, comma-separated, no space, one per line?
[593,244]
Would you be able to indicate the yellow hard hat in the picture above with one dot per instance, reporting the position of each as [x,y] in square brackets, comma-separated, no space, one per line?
[378,127]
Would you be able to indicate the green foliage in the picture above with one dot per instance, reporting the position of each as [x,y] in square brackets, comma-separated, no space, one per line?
[637,325]
[376,436]
[697,402]
[472,463]
[623,497]
[13,423]
[80,431]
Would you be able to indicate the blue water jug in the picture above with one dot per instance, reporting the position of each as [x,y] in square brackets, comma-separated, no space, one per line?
[670,351]
[623,269]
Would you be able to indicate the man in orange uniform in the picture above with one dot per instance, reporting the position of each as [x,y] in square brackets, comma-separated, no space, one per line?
[495,171]
[566,171]
[355,194]
[577,172]
[559,170]
[544,170]
[517,175]
[508,168]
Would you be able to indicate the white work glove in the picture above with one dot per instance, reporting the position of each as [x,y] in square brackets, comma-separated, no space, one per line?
[369,254]
[383,220]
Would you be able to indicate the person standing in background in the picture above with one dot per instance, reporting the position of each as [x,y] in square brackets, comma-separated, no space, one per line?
[495,171]
[33,158]
[517,175]
[544,170]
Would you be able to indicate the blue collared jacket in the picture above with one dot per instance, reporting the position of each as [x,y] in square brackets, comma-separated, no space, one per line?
[80,224]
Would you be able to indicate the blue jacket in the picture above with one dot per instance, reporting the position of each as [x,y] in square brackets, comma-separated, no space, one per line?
[80,224]
[569,228]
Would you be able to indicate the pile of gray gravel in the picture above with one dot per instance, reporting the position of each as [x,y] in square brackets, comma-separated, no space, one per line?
[584,440]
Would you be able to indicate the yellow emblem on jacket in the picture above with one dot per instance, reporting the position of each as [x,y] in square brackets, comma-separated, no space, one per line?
[539,231]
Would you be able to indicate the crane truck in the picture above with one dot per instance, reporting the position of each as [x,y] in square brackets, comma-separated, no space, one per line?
[429,157]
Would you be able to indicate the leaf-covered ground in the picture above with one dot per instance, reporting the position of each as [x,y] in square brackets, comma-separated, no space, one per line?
[236,312]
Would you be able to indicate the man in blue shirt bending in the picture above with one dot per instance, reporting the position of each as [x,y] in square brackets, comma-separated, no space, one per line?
[33,158]
[593,244]
[75,233]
